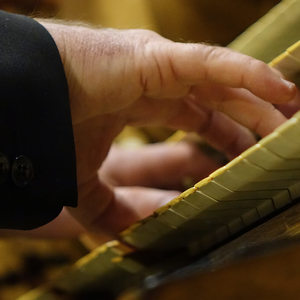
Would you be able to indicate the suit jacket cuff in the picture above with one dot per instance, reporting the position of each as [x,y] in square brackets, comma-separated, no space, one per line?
[37,152]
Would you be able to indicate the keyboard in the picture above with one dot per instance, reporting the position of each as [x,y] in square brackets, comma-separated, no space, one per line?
[258,183]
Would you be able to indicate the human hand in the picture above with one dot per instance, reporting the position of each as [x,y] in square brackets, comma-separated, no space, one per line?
[136,77]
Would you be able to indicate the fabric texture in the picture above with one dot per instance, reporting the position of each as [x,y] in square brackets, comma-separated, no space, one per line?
[36,134]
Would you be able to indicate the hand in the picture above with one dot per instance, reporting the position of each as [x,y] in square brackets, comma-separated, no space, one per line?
[136,77]
[136,176]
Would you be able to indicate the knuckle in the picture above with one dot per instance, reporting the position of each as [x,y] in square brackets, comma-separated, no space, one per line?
[211,53]
[251,70]
[144,36]
[258,66]
[206,124]
[233,145]
[258,124]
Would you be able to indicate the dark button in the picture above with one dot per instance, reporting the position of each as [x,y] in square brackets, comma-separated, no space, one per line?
[22,171]
[4,168]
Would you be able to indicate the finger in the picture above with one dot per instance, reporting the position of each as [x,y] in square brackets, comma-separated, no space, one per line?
[94,196]
[290,108]
[193,63]
[165,166]
[241,105]
[101,208]
[221,132]
[132,204]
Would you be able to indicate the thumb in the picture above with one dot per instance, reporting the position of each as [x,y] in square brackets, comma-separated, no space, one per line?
[102,208]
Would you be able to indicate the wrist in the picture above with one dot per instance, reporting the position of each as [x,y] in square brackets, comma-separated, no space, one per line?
[59,35]
[70,44]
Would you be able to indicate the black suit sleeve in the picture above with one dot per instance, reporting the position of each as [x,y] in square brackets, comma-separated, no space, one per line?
[37,155]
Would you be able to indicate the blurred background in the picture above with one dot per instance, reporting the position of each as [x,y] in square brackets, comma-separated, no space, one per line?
[181,20]
[27,263]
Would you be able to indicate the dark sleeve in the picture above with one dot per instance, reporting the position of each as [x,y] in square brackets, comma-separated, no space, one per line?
[37,155]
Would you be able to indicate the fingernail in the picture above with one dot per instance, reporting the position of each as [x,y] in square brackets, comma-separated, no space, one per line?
[290,85]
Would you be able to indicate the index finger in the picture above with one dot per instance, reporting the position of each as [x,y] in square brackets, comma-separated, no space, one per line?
[194,63]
